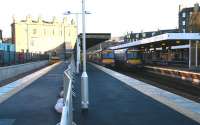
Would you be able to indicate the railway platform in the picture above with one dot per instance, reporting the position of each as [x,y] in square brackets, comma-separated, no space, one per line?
[177,72]
[116,99]
[30,100]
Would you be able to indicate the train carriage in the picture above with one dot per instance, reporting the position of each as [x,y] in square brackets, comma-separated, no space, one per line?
[128,58]
[107,58]
[102,57]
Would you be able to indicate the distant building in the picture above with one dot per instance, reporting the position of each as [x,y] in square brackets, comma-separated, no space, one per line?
[184,17]
[1,35]
[41,36]
[142,35]
[184,24]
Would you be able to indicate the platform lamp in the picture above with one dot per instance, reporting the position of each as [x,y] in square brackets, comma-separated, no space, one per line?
[84,76]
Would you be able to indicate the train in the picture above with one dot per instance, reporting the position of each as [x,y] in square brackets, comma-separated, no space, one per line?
[135,58]
[117,58]
[102,57]
[129,58]
[54,58]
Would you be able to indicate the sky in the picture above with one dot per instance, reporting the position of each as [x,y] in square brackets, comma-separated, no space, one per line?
[108,16]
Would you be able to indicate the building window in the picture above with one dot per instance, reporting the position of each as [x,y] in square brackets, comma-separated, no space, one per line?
[44,32]
[183,14]
[183,30]
[34,31]
[183,23]
[137,35]
[32,43]
[153,33]
[144,35]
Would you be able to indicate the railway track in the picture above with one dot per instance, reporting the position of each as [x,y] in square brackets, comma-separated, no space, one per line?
[174,85]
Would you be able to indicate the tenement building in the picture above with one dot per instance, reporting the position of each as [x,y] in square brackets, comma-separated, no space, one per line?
[41,36]
[185,15]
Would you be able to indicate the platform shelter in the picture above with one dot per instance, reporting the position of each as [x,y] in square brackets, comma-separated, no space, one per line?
[169,41]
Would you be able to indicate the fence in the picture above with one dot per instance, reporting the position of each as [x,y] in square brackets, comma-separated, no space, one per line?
[12,58]
[67,112]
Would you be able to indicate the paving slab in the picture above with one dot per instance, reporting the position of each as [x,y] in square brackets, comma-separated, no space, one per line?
[113,102]
[34,105]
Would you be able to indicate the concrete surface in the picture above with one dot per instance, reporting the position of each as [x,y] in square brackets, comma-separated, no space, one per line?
[185,106]
[14,87]
[181,73]
[112,102]
[34,105]
[12,71]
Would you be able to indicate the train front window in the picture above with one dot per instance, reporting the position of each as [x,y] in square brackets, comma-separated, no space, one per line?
[108,55]
[133,55]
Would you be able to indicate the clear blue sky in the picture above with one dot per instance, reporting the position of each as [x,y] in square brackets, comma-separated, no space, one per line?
[115,16]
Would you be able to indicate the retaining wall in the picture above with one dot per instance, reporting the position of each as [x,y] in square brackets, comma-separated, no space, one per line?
[12,71]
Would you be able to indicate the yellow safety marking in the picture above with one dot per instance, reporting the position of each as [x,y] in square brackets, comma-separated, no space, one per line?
[107,61]
[134,61]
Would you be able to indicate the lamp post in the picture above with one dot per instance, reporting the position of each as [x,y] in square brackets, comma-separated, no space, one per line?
[84,76]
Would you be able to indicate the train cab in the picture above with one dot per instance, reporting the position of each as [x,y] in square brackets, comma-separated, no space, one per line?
[128,58]
[107,58]
[134,58]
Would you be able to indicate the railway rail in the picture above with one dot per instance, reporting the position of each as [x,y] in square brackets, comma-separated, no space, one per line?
[174,85]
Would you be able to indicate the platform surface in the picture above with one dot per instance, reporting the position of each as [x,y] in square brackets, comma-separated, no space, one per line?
[176,69]
[34,105]
[113,102]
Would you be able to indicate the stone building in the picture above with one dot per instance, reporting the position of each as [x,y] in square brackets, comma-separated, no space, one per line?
[185,16]
[41,36]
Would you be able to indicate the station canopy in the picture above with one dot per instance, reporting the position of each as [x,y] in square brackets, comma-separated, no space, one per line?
[168,39]
[95,38]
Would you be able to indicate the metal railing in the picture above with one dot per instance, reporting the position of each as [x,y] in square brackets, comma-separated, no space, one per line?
[67,112]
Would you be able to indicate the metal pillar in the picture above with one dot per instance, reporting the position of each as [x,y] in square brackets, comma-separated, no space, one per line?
[196,55]
[190,53]
[77,48]
[84,77]
[78,55]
